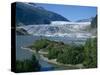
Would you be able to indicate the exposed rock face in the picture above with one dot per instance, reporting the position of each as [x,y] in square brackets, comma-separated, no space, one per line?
[21,31]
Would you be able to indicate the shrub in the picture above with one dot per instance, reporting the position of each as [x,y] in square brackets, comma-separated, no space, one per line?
[72,55]
[27,65]
[40,44]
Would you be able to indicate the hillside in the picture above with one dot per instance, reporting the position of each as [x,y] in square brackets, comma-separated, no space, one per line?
[30,13]
[94,22]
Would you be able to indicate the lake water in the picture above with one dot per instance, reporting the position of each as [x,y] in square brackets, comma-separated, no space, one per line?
[21,54]
[23,41]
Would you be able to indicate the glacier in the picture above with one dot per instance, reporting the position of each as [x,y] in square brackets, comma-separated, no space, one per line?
[59,28]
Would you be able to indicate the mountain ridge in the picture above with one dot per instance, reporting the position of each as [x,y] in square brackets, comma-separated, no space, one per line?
[29,14]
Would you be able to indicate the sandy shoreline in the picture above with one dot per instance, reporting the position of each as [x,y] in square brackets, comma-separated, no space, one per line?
[25,48]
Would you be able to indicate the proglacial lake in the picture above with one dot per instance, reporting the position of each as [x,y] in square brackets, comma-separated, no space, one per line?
[25,40]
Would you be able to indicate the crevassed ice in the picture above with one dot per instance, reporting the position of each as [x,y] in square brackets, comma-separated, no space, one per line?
[59,28]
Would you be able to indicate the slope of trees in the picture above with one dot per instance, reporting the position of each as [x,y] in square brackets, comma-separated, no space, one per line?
[27,65]
[94,22]
[90,52]
[73,55]
[29,14]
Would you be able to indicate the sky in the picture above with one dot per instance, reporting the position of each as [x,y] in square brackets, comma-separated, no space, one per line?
[72,13]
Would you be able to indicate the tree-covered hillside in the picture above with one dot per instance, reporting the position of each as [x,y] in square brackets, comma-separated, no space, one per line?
[94,22]
[29,14]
